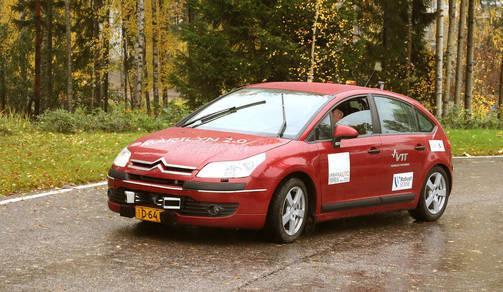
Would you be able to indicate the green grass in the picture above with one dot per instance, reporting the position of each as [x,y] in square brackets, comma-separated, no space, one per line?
[476,142]
[34,160]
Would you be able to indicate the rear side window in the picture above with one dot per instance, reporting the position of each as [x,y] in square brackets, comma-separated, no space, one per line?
[395,116]
[425,125]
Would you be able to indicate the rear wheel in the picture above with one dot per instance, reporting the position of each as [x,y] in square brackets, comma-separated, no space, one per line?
[434,196]
[289,211]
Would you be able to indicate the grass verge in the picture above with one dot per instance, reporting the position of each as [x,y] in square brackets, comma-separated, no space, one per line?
[34,160]
[40,160]
[476,142]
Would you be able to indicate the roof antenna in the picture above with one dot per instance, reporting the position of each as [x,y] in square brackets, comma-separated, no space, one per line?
[377,68]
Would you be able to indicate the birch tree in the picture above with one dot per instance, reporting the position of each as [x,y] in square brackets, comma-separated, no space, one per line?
[459,55]
[139,51]
[439,55]
[310,75]
[450,51]
[155,57]
[469,57]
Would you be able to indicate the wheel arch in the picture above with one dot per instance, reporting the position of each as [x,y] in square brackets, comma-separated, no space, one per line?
[311,190]
[447,171]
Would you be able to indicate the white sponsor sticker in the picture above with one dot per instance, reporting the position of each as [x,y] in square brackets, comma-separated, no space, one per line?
[437,146]
[338,168]
[402,181]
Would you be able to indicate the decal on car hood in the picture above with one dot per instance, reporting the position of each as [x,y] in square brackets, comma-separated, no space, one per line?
[196,147]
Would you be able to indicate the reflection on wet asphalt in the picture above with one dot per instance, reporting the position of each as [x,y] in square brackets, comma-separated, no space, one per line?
[72,242]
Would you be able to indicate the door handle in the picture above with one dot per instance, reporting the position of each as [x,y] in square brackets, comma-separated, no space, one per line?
[374,150]
[420,147]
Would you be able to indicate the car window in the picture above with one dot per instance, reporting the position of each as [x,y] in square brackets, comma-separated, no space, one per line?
[425,125]
[355,113]
[323,131]
[395,116]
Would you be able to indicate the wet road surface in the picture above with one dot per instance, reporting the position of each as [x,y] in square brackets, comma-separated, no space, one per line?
[72,242]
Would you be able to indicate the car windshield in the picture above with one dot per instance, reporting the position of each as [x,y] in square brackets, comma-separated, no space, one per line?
[265,118]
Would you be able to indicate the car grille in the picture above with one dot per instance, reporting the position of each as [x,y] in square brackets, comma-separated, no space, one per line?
[164,167]
[155,180]
[189,206]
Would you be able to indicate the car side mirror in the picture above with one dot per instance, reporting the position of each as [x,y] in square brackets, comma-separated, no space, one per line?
[343,132]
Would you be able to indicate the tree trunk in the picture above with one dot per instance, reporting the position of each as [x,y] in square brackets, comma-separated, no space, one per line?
[451,42]
[69,80]
[439,55]
[500,101]
[50,100]
[94,70]
[459,56]
[469,57]
[155,58]
[165,97]
[145,87]
[38,45]
[3,89]
[125,69]
[310,75]
[106,54]
[140,47]
[410,10]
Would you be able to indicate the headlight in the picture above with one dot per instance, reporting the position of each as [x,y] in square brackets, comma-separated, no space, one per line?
[122,159]
[232,169]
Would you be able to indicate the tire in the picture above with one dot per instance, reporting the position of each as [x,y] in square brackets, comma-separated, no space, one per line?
[434,196]
[284,225]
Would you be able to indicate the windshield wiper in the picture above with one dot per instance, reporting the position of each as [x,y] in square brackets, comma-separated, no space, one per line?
[216,115]
[283,125]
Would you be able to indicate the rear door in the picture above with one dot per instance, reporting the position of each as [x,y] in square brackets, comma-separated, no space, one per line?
[404,147]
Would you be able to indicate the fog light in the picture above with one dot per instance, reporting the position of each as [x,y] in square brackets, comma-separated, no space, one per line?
[214,210]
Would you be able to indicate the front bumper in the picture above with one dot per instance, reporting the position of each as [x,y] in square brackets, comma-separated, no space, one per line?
[227,205]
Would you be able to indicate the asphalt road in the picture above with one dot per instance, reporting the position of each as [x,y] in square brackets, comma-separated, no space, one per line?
[71,241]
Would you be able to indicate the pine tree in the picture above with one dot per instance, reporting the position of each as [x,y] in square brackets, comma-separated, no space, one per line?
[38,49]
[69,85]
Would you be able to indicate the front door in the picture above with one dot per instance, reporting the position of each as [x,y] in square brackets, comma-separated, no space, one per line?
[350,172]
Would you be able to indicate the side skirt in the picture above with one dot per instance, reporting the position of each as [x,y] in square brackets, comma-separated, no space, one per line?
[369,202]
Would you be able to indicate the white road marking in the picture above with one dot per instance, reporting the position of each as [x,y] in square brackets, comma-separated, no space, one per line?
[473,157]
[50,193]
[87,186]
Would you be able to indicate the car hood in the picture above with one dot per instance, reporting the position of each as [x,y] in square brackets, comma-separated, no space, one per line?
[196,147]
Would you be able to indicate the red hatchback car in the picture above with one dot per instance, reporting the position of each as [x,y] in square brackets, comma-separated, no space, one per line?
[278,155]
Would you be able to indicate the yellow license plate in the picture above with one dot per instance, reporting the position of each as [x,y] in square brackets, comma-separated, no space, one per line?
[148,214]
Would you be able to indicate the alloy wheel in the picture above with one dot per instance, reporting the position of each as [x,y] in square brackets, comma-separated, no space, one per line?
[435,193]
[294,210]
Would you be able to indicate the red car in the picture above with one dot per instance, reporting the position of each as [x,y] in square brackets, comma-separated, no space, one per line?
[278,155]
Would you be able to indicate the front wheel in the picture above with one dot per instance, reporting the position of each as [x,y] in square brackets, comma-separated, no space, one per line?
[289,211]
[434,196]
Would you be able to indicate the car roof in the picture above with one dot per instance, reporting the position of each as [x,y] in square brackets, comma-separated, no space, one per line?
[327,89]
[312,87]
